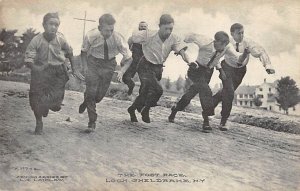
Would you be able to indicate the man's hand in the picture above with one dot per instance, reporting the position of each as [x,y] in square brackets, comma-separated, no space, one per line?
[222,75]
[246,51]
[270,71]
[193,65]
[120,76]
[77,74]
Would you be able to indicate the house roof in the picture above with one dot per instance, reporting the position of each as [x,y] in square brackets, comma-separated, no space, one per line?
[246,89]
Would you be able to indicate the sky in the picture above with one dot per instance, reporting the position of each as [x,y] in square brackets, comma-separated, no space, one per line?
[274,24]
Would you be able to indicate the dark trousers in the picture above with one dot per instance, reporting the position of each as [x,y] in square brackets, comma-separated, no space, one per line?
[234,77]
[99,76]
[137,54]
[47,89]
[200,78]
[150,90]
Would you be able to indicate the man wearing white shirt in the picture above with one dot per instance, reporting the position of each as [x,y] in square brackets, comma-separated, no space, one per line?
[235,72]
[210,52]
[156,46]
[98,55]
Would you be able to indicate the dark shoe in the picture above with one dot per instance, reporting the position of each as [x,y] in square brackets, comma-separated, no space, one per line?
[223,124]
[206,127]
[56,108]
[131,112]
[173,114]
[145,114]
[39,128]
[91,127]
[82,107]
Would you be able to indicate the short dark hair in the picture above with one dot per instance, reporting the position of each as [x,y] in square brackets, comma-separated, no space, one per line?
[236,26]
[222,37]
[49,16]
[166,19]
[107,19]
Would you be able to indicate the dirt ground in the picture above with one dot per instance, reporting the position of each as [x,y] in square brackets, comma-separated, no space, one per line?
[121,155]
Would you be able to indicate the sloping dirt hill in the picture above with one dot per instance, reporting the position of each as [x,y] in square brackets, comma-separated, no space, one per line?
[121,155]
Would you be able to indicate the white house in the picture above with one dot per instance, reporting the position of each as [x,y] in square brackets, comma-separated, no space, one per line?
[244,96]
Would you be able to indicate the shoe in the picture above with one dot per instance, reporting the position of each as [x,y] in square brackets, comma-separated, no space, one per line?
[131,112]
[39,128]
[223,124]
[56,108]
[172,115]
[206,127]
[145,114]
[91,127]
[82,107]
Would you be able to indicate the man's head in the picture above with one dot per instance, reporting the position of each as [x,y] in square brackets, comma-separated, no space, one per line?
[166,24]
[106,25]
[221,41]
[143,26]
[237,32]
[51,23]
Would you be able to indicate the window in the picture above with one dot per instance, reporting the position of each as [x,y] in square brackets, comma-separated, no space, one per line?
[260,96]
[246,102]
[251,103]
[270,89]
[246,95]
[270,108]
[260,89]
[294,108]
[241,95]
[251,96]
[241,103]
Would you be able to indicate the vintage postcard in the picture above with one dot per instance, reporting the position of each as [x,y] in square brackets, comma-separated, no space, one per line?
[149,95]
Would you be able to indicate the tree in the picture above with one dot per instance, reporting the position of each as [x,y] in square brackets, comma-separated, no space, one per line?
[288,93]
[179,83]
[9,48]
[168,84]
[26,37]
[187,83]
[257,102]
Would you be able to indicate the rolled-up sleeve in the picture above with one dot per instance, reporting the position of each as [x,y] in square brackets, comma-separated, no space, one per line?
[178,45]
[140,36]
[85,44]
[258,51]
[31,51]
[200,40]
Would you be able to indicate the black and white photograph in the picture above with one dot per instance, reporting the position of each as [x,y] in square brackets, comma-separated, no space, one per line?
[136,95]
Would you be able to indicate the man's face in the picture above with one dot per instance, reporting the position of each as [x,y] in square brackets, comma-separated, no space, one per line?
[238,35]
[106,30]
[166,30]
[219,45]
[143,26]
[51,26]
